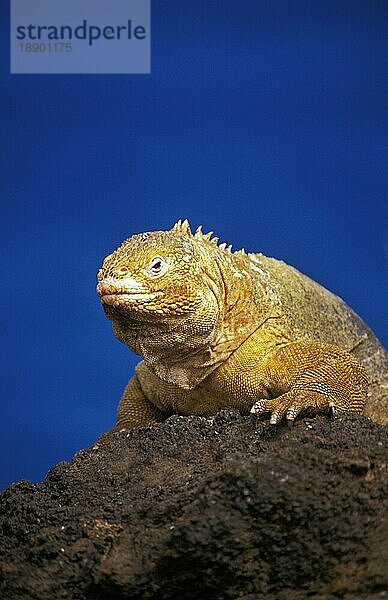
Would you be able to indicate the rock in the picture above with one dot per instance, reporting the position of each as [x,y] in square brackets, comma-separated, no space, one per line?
[219,508]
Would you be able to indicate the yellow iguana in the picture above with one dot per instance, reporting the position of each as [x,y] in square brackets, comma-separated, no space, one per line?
[220,329]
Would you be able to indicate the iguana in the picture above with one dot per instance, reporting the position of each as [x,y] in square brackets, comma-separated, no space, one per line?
[218,329]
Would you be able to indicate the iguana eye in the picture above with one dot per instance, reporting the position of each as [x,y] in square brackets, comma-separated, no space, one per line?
[156,267]
[122,271]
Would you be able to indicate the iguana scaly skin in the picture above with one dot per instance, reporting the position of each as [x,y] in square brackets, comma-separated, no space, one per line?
[220,329]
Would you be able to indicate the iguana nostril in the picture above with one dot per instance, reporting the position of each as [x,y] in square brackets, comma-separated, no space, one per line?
[103,288]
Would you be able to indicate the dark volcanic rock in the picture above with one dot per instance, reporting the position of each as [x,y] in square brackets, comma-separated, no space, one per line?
[220,508]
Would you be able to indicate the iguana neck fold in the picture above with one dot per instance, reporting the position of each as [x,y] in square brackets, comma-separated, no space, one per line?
[207,336]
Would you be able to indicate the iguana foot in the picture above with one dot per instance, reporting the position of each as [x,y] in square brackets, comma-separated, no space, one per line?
[291,404]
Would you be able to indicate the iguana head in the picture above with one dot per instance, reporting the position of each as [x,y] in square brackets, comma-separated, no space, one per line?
[167,293]
[156,274]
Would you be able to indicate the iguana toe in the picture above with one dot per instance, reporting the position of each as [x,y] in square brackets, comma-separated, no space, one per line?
[292,403]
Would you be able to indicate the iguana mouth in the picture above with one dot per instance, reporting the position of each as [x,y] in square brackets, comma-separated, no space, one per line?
[117,296]
[120,298]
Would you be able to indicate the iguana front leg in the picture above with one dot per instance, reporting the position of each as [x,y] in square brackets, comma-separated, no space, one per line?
[311,377]
[135,409]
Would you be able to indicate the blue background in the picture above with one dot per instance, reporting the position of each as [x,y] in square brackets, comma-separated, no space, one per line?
[264,121]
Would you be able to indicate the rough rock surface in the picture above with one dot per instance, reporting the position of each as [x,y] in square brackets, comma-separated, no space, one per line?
[219,508]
